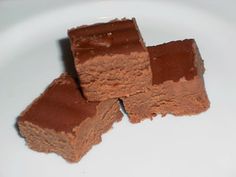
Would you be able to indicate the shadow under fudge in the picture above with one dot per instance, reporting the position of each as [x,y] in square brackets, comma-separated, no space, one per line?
[122,106]
[68,60]
[16,127]
[67,57]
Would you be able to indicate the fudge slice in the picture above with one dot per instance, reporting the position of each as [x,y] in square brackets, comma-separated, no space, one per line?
[63,122]
[177,85]
[111,59]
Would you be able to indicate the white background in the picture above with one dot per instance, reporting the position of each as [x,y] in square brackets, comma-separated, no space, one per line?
[197,146]
[13,11]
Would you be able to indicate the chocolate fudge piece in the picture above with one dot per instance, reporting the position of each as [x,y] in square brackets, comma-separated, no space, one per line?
[62,121]
[177,85]
[111,59]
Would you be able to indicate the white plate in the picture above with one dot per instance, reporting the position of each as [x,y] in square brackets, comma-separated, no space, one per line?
[202,145]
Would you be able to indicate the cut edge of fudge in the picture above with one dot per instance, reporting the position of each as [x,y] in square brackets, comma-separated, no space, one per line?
[181,95]
[114,79]
[75,143]
[120,68]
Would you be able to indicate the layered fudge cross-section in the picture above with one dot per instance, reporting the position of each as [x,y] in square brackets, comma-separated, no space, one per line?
[63,122]
[111,59]
[177,85]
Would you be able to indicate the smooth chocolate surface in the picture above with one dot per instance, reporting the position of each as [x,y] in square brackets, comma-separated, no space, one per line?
[61,107]
[172,61]
[114,37]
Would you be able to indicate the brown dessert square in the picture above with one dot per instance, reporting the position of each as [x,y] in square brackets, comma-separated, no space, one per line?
[63,122]
[111,59]
[177,85]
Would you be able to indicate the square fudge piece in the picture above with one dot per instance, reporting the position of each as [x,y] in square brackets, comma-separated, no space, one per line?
[177,85]
[63,122]
[111,59]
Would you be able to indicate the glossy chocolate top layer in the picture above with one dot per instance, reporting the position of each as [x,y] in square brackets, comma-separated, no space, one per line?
[173,60]
[61,107]
[114,37]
